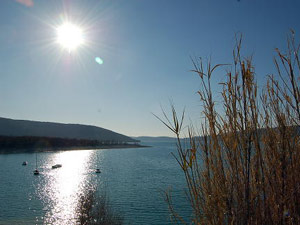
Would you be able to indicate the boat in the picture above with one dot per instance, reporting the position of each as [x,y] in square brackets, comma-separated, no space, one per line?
[36,171]
[56,166]
[24,163]
[97,170]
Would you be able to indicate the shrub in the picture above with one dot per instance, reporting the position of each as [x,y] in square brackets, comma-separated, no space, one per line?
[245,167]
[95,209]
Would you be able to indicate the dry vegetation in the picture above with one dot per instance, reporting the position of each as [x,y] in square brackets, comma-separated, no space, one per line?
[245,169]
[95,209]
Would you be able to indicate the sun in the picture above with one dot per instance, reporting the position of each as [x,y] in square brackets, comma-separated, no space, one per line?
[69,36]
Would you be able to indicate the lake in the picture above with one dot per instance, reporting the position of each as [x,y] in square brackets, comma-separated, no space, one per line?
[134,180]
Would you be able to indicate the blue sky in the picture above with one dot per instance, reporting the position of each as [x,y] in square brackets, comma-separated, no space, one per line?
[146,48]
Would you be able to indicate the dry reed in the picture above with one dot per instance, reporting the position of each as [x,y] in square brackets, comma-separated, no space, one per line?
[245,167]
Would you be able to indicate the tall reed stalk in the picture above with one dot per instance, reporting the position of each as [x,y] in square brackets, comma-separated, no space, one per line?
[245,167]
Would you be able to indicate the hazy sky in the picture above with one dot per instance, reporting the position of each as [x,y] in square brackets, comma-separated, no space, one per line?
[146,47]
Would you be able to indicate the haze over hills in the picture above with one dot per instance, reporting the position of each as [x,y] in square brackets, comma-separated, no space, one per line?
[17,128]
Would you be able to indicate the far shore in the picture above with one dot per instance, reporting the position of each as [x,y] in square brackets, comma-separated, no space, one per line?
[71,148]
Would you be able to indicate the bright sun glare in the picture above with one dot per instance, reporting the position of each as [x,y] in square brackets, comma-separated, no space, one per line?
[69,36]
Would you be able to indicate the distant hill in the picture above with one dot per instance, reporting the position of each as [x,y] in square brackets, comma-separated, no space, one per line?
[201,138]
[17,128]
[155,139]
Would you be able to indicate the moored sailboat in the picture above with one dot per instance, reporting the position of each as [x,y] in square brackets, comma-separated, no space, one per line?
[97,170]
[36,171]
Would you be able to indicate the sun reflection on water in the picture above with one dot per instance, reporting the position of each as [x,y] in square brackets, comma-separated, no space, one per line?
[63,186]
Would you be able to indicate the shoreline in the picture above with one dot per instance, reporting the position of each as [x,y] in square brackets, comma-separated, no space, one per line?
[72,148]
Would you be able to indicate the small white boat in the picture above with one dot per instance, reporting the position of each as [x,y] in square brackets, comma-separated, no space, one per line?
[24,163]
[56,166]
[36,172]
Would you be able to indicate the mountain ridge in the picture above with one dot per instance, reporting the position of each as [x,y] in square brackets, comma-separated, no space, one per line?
[15,127]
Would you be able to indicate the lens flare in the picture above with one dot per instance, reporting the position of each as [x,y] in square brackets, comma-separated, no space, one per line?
[99,60]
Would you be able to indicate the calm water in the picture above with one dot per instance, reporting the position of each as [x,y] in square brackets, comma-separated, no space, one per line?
[134,180]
